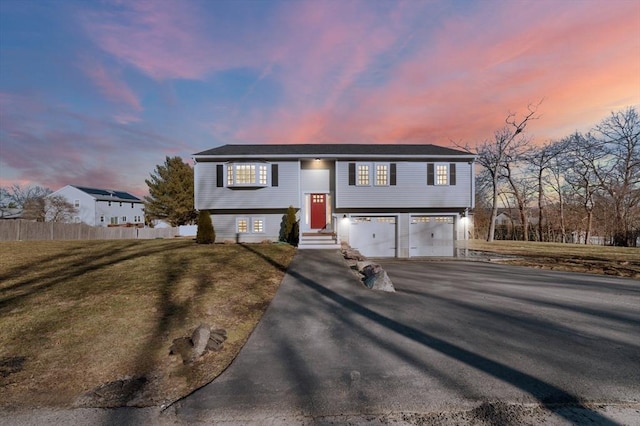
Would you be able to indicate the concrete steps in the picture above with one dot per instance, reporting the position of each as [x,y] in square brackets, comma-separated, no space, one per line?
[318,240]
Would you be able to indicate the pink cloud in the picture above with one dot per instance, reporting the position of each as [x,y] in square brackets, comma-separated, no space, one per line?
[164,40]
[424,80]
[461,82]
[50,145]
[111,85]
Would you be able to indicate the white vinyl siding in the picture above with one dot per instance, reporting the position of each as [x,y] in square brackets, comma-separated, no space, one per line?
[211,197]
[411,190]
[227,227]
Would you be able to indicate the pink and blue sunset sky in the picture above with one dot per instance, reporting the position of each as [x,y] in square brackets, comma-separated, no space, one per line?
[97,93]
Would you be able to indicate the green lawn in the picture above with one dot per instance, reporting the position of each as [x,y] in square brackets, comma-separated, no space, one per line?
[75,315]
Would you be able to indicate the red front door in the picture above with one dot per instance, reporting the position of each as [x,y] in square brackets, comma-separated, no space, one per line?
[318,211]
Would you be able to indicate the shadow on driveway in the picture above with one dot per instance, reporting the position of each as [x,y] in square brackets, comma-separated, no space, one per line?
[451,338]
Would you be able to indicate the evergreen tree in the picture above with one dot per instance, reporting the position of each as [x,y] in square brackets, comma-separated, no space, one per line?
[171,193]
[290,230]
[205,234]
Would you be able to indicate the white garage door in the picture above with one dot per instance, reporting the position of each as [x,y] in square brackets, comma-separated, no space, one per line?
[373,236]
[431,236]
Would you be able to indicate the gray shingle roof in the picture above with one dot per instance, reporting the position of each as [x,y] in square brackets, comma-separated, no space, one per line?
[328,150]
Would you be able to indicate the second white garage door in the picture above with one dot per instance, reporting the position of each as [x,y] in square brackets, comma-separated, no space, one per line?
[431,236]
[373,236]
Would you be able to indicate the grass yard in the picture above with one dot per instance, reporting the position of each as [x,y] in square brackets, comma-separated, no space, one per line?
[76,315]
[619,261]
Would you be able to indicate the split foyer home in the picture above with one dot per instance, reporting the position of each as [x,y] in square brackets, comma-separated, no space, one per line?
[385,200]
[103,207]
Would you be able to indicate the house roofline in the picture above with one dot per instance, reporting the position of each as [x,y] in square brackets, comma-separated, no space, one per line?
[354,157]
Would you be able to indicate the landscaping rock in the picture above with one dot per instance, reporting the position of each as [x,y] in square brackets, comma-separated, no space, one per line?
[376,278]
[202,339]
[216,340]
[199,340]
[352,254]
[361,264]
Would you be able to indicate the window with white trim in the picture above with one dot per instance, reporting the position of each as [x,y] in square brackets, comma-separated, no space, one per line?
[381,174]
[257,224]
[242,225]
[229,174]
[113,220]
[442,174]
[362,174]
[247,174]
[245,225]
[76,203]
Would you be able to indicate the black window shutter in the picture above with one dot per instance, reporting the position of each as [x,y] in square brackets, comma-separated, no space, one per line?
[392,174]
[352,173]
[430,174]
[219,175]
[274,175]
[452,174]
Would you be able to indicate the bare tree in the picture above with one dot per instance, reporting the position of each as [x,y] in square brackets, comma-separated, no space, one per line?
[584,153]
[494,154]
[20,196]
[618,172]
[58,209]
[520,185]
[34,209]
[541,162]
[556,168]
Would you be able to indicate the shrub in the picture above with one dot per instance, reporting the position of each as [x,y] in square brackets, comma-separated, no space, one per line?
[290,229]
[205,234]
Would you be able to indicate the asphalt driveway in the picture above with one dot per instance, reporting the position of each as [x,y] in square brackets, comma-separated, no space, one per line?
[455,336]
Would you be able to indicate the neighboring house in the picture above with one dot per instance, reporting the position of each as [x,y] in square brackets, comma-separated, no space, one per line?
[103,207]
[10,213]
[385,200]
[504,218]
[511,217]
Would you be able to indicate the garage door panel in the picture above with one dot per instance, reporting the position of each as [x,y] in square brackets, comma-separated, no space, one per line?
[431,236]
[374,236]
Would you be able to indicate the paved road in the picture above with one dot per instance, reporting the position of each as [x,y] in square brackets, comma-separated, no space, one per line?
[455,336]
